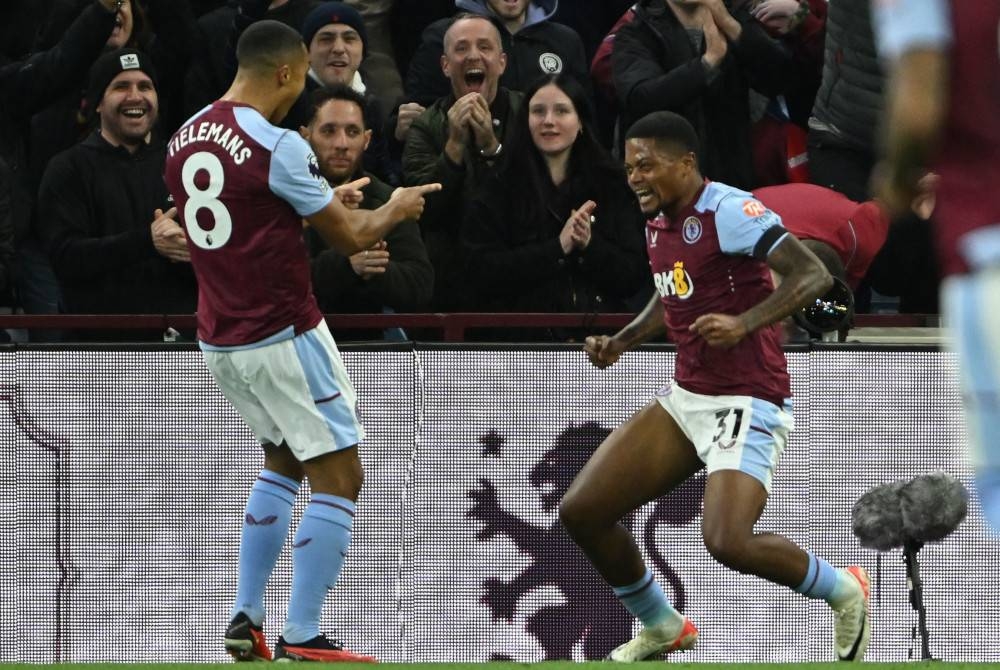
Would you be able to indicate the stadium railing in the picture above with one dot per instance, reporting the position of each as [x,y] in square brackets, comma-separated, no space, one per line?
[452,327]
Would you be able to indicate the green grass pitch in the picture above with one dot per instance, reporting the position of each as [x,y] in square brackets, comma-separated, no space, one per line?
[548,665]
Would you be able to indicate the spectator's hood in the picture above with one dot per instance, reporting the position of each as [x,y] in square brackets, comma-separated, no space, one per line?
[538,10]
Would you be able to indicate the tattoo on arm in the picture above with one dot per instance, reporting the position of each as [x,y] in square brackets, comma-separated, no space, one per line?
[803,280]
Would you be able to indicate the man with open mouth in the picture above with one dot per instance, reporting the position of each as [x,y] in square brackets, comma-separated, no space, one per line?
[535,45]
[458,141]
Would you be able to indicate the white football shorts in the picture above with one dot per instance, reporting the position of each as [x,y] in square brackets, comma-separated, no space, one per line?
[293,390]
[731,432]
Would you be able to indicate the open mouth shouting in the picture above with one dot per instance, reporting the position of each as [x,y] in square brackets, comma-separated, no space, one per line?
[647,199]
[475,78]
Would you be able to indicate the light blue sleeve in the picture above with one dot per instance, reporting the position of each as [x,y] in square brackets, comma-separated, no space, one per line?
[741,221]
[903,25]
[295,175]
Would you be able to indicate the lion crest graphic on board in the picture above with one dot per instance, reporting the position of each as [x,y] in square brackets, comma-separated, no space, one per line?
[589,617]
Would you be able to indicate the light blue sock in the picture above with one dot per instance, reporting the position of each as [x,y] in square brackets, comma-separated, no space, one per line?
[648,603]
[265,527]
[825,582]
[318,555]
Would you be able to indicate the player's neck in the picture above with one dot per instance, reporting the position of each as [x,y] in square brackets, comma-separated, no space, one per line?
[687,198]
[247,91]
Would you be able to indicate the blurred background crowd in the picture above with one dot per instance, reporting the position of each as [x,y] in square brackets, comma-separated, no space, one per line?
[516,106]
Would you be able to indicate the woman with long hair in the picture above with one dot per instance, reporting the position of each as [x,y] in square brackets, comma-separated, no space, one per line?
[558,229]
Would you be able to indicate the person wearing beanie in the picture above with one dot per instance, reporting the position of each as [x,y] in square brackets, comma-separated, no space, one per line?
[337,40]
[335,37]
[104,212]
[133,76]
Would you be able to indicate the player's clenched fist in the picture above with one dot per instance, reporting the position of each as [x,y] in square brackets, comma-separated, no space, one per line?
[410,199]
[720,330]
[603,350]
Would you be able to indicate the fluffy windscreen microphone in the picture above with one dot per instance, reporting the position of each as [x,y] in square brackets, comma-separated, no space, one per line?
[932,506]
[925,509]
[876,518]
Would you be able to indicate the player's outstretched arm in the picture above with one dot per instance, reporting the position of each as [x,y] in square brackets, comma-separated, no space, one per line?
[350,231]
[604,351]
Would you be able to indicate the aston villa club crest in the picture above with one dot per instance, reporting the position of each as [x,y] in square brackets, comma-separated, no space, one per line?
[691,230]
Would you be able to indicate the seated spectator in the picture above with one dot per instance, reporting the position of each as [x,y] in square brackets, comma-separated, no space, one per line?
[558,229]
[458,142]
[105,211]
[535,45]
[395,275]
[697,59]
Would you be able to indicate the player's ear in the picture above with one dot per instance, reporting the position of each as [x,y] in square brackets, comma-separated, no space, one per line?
[368,138]
[284,74]
[304,132]
[689,161]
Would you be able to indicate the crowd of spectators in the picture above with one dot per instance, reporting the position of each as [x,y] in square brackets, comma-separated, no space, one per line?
[516,107]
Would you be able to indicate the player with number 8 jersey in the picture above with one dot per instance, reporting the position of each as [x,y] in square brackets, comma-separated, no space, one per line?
[243,187]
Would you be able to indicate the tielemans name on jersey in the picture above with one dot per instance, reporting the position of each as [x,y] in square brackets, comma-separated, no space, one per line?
[212,132]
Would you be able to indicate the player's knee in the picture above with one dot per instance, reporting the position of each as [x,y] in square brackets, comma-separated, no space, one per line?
[573,515]
[337,473]
[279,459]
[727,548]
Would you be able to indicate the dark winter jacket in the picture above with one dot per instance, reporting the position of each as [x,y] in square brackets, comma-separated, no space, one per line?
[516,263]
[850,100]
[656,67]
[424,162]
[96,205]
[407,284]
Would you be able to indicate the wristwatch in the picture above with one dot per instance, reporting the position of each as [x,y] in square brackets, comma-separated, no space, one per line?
[482,152]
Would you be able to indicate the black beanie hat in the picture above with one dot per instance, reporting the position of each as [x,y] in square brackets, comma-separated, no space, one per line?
[334,12]
[109,66]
